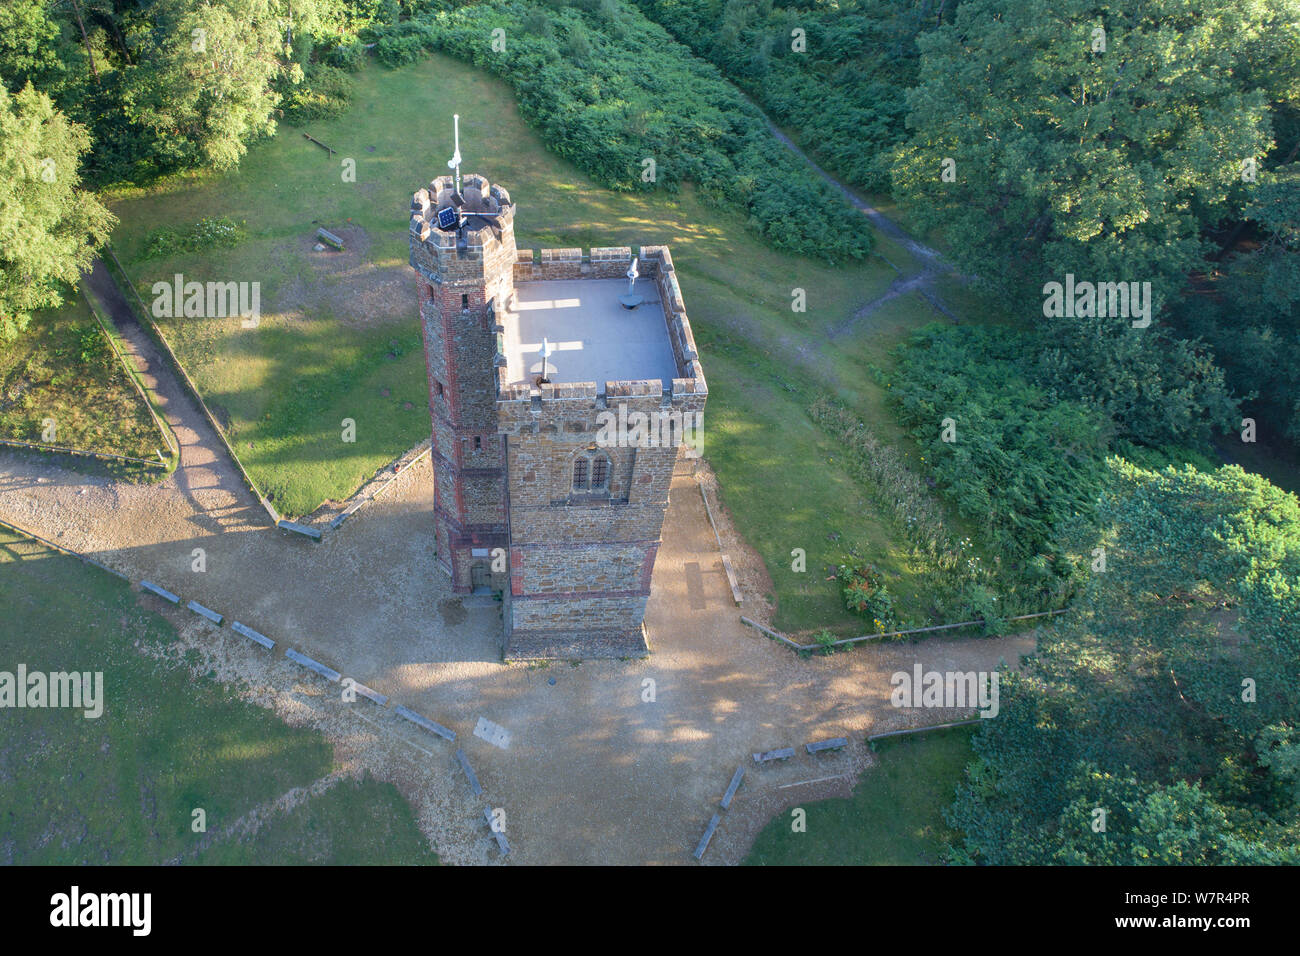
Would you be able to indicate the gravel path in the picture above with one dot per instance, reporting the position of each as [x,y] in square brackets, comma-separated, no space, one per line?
[597,770]
[932,263]
[205,477]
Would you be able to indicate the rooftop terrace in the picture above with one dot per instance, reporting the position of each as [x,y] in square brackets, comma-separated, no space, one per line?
[592,337]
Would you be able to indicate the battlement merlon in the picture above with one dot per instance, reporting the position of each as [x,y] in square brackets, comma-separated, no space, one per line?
[439,255]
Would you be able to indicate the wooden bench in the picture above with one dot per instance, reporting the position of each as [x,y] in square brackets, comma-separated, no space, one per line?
[835,743]
[501,837]
[784,753]
[301,529]
[738,776]
[369,692]
[708,835]
[731,579]
[252,635]
[420,721]
[327,237]
[328,673]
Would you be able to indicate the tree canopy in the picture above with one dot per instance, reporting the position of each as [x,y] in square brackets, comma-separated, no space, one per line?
[1168,696]
[49,226]
[1093,138]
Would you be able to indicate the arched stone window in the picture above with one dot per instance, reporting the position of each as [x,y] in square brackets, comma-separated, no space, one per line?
[591,472]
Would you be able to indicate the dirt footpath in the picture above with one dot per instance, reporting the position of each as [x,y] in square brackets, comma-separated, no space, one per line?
[600,766]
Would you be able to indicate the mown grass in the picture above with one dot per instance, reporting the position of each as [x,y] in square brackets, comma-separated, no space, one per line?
[121,788]
[286,386]
[353,823]
[64,370]
[894,818]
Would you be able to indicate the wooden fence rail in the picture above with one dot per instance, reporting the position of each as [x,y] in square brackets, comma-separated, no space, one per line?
[82,452]
[875,637]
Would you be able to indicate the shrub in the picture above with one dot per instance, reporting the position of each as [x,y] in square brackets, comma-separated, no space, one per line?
[1023,464]
[208,233]
[845,96]
[349,56]
[865,593]
[325,92]
[398,50]
[609,91]
[957,582]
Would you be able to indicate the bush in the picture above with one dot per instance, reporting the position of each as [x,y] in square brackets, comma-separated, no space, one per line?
[608,92]
[959,585]
[398,44]
[845,96]
[1022,464]
[865,593]
[398,50]
[324,93]
[349,56]
[207,233]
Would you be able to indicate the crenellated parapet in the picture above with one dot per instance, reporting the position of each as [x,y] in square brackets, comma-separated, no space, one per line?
[486,244]
[611,262]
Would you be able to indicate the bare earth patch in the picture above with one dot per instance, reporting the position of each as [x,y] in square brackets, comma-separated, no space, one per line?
[345,284]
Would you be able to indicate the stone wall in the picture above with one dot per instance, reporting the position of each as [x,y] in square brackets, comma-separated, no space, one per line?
[581,563]
[600,262]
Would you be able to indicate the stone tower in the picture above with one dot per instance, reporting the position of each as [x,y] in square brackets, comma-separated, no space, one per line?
[463,281]
[565,390]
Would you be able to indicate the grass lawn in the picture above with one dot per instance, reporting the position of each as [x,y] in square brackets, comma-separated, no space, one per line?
[121,788]
[64,369]
[894,817]
[339,339]
[353,823]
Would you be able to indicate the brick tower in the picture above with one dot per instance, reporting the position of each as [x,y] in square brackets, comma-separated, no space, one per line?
[533,360]
[463,281]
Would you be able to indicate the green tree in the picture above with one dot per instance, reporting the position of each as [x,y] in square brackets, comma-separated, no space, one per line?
[1189,637]
[1249,309]
[165,84]
[49,227]
[1157,388]
[1074,159]
[203,90]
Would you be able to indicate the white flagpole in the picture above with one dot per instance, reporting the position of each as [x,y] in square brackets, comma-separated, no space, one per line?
[455,157]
